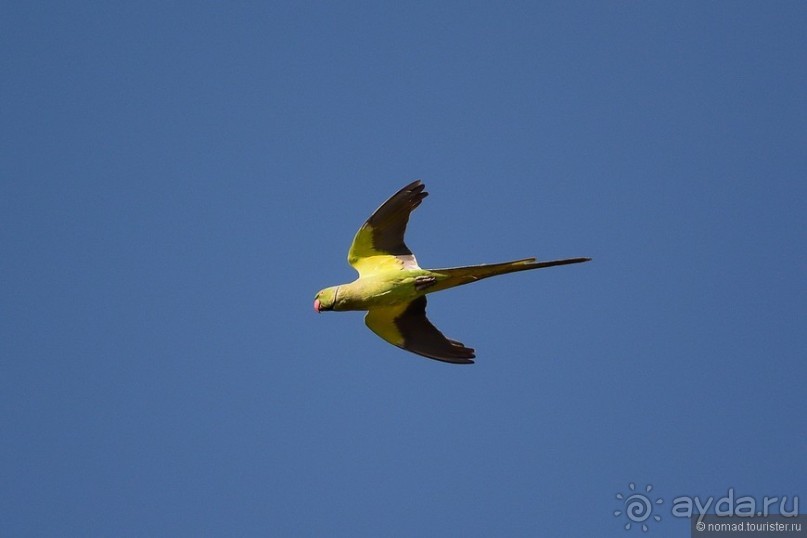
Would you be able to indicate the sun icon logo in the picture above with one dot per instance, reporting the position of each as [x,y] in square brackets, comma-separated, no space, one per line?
[638,508]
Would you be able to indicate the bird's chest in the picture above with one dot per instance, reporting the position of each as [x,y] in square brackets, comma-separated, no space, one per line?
[375,292]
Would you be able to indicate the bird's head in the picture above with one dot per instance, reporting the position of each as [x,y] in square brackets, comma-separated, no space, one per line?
[325,299]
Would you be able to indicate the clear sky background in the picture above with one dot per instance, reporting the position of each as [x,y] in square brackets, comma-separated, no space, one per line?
[178,180]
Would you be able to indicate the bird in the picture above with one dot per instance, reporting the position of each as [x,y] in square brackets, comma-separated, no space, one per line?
[392,287]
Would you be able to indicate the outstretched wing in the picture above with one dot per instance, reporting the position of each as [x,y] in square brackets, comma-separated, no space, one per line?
[379,243]
[407,327]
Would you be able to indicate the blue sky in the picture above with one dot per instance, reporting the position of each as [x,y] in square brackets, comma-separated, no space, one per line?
[178,180]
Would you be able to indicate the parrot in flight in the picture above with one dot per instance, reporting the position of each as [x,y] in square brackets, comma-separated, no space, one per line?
[392,287]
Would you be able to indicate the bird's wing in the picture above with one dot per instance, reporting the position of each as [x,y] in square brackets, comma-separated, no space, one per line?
[379,243]
[406,326]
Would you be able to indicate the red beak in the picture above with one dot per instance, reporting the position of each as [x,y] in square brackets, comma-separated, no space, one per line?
[316,306]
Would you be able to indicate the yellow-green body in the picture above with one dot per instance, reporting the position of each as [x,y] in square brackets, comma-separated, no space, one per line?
[378,290]
[391,285]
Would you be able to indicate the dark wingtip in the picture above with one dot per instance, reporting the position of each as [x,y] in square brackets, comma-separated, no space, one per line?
[457,360]
[416,185]
[416,193]
[459,355]
[416,188]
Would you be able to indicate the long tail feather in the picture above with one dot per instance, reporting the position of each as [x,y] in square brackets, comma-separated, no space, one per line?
[457,276]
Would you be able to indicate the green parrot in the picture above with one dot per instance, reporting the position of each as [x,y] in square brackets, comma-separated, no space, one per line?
[392,287]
